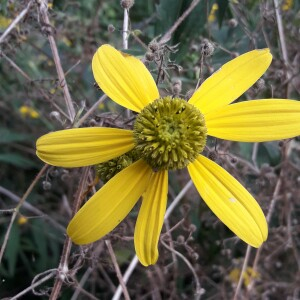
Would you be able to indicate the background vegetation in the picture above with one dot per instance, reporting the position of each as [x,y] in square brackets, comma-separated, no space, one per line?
[199,256]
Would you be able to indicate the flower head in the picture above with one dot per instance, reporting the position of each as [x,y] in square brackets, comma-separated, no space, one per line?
[213,11]
[287,5]
[170,134]
[27,111]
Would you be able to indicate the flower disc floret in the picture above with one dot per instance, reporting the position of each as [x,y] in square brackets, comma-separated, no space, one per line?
[169,133]
[109,169]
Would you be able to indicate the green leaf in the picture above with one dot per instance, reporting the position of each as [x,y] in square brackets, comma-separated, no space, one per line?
[8,136]
[123,255]
[168,12]
[192,27]
[45,240]
[59,4]
[12,249]
[40,241]
[246,150]
[3,7]
[269,153]
[222,8]
[17,160]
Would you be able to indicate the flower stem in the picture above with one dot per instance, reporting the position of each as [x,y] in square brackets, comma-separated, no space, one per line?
[63,265]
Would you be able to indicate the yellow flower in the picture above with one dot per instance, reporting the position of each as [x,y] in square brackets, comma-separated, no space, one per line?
[4,22]
[249,274]
[212,14]
[287,5]
[170,134]
[27,111]
[22,220]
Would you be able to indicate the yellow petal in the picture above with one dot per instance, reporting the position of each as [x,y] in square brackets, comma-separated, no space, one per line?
[231,80]
[229,200]
[124,78]
[110,205]
[83,146]
[256,121]
[151,218]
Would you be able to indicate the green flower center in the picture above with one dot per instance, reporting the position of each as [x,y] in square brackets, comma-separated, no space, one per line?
[109,169]
[169,133]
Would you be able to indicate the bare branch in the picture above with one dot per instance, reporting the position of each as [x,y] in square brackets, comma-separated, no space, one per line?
[14,215]
[56,58]
[31,208]
[199,291]
[63,267]
[15,22]
[167,36]
[90,111]
[125,28]
[35,284]
[117,269]
[282,41]
[243,271]
[26,76]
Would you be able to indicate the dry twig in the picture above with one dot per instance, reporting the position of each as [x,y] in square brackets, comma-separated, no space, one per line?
[15,21]
[117,269]
[35,284]
[199,291]
[31,208]
[125,28]
[56,58]
[167,36]
[63,267]
[17,208]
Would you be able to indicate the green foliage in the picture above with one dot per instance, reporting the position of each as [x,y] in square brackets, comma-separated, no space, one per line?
[168,12]
[223,7]
[11,254]
[10,136]
[17,160]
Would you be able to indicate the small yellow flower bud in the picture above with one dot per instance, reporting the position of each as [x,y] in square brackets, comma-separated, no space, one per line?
[27,111]
[22,220]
